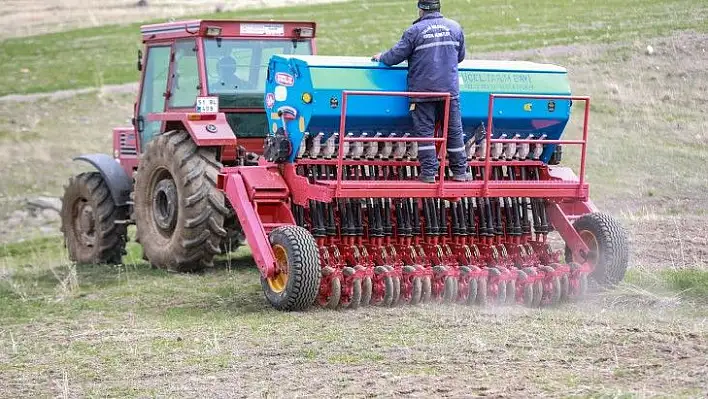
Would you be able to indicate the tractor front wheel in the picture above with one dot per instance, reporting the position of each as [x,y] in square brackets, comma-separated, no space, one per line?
[88,221]
[179,212]
[296,282]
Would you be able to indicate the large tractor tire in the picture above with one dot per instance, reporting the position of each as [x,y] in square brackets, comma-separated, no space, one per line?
[88,221]
[235,237]
[608,244]
[297,280]
[179,212]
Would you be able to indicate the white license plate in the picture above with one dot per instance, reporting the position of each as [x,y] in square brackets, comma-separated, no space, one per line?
[207,105]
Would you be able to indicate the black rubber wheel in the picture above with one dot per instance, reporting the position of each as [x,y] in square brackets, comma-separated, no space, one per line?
[366,288]
[537,293]
[482,299]
[565,288]
[354,299]
[537,287]
[179,212]
[235,237]
[556,287]
[609,247]
[501,286]
[427,289]
[564,283]
[472,296]
[417,290]
[511,292]
[450,293]
[356,295]
[366,291]
[389,292]
[557,291]
[528,289]
[297,281]
[88,221]
[335,289]
[396,281]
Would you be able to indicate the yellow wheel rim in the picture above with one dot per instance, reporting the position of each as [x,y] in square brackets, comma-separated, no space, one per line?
[278,283]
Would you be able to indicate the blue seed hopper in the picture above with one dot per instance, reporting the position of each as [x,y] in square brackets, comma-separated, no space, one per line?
[313,85]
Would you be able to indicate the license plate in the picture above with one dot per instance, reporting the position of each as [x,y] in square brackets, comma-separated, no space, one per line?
[207,105]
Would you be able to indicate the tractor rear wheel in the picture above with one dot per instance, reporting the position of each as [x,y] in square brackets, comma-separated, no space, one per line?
[179,212]
[608,244]
[88,221]
[297,279]
[235,237]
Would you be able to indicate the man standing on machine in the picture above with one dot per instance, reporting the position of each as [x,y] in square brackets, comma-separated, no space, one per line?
[433,46]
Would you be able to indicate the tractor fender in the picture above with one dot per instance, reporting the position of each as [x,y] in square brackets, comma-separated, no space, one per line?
[119,183]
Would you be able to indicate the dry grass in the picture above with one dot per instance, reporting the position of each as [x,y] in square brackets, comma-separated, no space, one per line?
[136,332]
[34,17]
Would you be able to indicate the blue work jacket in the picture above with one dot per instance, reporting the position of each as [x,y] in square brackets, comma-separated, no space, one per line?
[433,46]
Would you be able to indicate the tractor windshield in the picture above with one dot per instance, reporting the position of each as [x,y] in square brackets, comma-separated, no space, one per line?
[237,68]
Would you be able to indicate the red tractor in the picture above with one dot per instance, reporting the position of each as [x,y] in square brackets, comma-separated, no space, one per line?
[240,133]
[163,172]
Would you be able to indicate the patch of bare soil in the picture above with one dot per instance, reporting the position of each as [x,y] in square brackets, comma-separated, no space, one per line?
[33,17]
[594,349]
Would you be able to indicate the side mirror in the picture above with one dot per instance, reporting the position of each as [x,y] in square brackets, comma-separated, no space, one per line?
[140,60]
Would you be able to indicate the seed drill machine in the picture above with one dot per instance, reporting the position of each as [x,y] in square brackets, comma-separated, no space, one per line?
[242,135]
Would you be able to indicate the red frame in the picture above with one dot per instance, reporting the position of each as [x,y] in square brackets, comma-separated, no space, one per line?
[583,142]
[552,186]
[343,130]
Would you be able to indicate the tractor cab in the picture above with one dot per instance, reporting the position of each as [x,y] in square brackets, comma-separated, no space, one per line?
[224,62]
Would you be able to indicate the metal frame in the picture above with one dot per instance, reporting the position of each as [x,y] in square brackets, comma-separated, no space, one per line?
[343,130]
[490,140]
[557,188]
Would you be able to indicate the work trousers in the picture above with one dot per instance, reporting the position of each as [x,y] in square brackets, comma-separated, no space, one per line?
[425,115]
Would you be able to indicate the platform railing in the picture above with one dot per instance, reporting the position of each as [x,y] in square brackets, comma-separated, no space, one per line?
[490,129]
[343,136]
[484,187]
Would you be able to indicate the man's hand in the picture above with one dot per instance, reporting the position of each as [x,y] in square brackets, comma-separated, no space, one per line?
[376,57]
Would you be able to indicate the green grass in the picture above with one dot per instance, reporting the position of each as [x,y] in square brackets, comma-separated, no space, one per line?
[106,55]
[687,282]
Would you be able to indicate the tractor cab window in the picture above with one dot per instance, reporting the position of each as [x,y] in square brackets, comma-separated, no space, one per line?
[236,72]
[185,76]
[152,98]
[239,66]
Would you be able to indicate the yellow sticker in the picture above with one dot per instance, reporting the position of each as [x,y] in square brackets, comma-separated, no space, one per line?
[274,116]
[412,107]
[302,123]
[527,107]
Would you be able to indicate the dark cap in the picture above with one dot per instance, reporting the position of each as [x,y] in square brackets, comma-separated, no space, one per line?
[429,5]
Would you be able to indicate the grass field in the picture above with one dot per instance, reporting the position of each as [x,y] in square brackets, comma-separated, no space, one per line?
[106,55]
[132,331]
[33,17]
